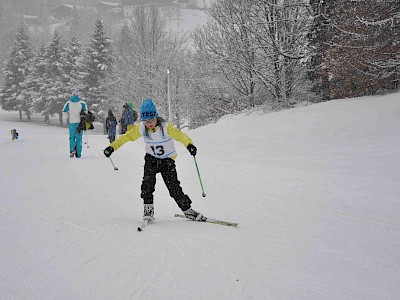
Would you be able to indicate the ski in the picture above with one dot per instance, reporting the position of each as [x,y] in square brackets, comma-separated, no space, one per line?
[143,225]
[213,221]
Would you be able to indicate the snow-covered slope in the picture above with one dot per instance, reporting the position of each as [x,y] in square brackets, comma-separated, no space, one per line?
[315,190]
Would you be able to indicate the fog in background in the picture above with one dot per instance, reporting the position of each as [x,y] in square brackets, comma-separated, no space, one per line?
[15,12]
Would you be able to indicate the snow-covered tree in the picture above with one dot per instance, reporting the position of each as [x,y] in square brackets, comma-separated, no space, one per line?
[148,45]
[319,37]
[37,82]
[389,64]
[356,47]
[209,94]
[3,45]
[74,65]
[121,87]
[15,72]
[259,47]
[144,52]
[227,42]
[97,64]
[280,29]
[56,91]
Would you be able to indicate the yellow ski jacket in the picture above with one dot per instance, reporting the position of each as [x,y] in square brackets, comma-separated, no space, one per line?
[134,133]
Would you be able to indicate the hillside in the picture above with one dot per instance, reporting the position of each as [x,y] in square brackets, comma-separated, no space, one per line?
[315,190]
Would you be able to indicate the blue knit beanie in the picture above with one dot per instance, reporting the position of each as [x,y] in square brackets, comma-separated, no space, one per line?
[148,110]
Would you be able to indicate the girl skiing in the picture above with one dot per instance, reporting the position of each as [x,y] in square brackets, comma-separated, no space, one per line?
[159,136]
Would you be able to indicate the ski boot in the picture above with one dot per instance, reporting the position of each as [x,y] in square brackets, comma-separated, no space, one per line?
[148,213]
[194,215]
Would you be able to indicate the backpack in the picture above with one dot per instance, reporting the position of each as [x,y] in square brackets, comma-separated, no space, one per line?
[90,117]
[86,121]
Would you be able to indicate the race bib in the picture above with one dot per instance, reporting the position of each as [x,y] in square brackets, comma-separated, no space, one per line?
[159,144]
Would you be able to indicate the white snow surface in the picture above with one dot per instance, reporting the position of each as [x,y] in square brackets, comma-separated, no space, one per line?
[315,190]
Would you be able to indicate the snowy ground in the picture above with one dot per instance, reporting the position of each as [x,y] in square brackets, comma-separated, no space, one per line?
[315,189]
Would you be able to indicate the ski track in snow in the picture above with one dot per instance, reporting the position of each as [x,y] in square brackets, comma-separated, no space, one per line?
[315,191]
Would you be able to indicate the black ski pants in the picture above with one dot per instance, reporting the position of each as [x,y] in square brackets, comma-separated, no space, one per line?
[167,168]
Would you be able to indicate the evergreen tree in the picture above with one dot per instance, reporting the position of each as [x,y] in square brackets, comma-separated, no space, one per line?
[15,72]
[57,90]
[73,65]
[97,63]
[38,82]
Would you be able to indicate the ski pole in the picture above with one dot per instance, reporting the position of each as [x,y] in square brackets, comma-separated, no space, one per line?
[198,173]
[115,168]
[86,139]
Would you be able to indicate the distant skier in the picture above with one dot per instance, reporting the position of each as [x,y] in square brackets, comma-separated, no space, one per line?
[129,116]
[14,134]
[111,126]
[159,136]
[73,107]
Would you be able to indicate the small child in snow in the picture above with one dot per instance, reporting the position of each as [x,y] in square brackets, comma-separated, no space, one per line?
[159,136]
[14,134]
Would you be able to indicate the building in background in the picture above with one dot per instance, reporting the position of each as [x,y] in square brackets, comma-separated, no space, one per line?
[66,12]
[32,20]
[167,7]
[109,8]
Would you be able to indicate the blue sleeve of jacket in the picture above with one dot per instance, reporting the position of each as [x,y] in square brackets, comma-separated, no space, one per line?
[66,107]
[84,106]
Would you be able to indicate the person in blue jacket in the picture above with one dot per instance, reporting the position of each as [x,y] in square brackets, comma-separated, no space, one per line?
[73,108]
[111,126]
[129,116]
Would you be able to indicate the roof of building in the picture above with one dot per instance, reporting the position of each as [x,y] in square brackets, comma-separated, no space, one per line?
[147,2]
[28,17]
[111,4]
[67,7]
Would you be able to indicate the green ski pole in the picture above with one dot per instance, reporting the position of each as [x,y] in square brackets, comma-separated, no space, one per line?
[198,173]
[115,168]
